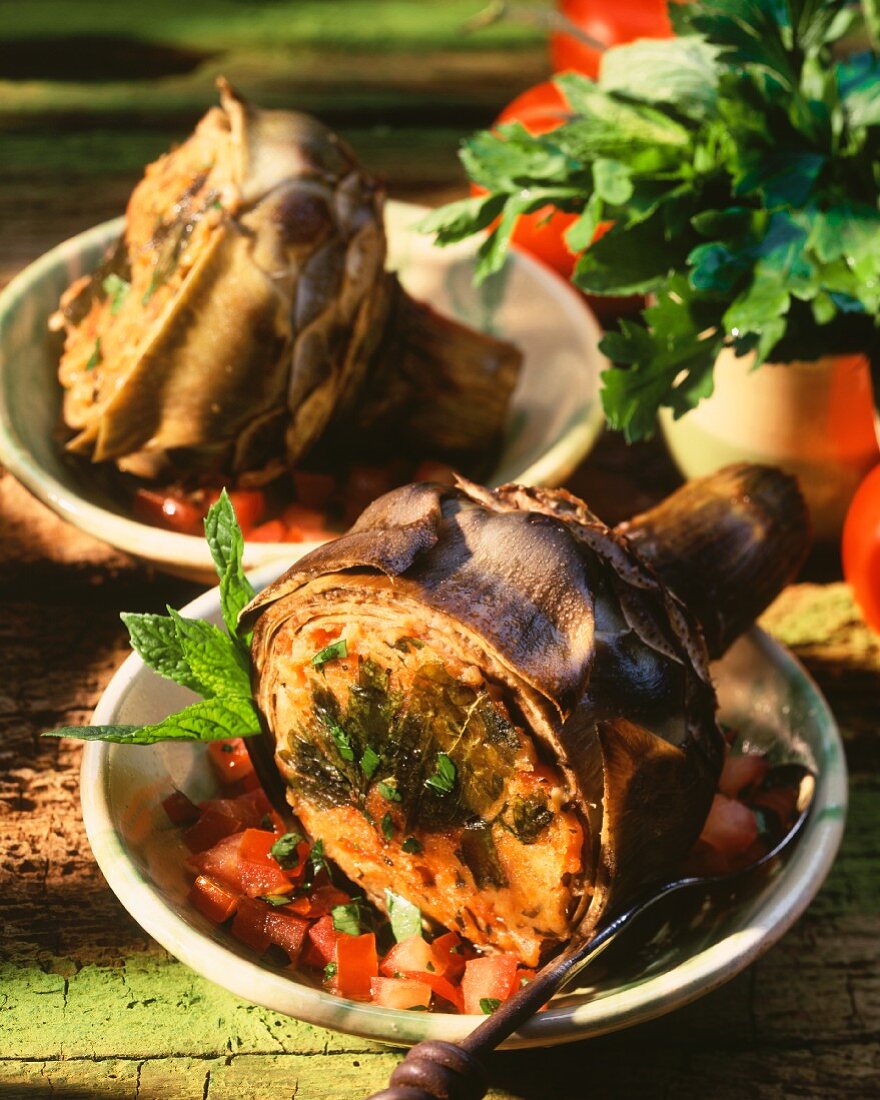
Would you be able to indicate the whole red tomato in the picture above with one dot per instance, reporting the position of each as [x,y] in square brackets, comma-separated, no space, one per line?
[861,547]
[610,22]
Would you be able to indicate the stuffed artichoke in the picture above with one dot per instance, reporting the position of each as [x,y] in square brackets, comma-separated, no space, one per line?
[495,705]
[245,319]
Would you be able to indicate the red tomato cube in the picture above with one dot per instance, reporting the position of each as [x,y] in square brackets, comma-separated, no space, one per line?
[287,931]
[321,947]
[740,772]
[213,900]
[448,953]
[179,809]
[249,924]
[231,760]
[490,978]
[213,825]
[272,531]
[730,827]
[400,993]
[411,956]
[356,964]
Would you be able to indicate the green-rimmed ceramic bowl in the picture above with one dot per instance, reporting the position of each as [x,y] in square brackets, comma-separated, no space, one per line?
[554,419]
[763,692]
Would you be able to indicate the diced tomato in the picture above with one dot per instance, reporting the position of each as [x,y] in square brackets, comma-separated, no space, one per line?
[740,772]
[399,993]
[271,531]
[170,512]
[249,924]
[213,825]
[321,947]
[243,862]
[320,901]
[490,978]
[356,964]
[230,759]
[180,810]
[730,827]
[448,953]
[213,900]
[414,958]
[287,931]
[254,807]
[411,956]
[428,470]
[314,490]
[363,486]
[307,524]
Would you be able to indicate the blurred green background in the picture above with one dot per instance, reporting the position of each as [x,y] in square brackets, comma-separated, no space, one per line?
[91,90]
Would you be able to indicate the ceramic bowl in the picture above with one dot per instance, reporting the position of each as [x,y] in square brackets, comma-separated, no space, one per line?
[763,692]
[554,418]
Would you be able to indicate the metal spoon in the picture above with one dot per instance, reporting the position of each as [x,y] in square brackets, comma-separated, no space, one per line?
[436,1070]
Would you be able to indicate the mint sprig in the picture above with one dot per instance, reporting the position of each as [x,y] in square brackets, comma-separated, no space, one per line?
[197,655]
[737,164]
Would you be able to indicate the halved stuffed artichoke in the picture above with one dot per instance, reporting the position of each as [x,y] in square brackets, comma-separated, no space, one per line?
[492,703]
[245,317]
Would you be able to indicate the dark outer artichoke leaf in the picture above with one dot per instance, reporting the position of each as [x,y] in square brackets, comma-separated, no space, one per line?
[515,579]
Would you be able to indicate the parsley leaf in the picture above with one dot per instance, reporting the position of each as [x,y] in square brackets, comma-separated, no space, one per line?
[488,1005]
[392,794]
[387,826]
[116,290]
[347,918]
[406,919]
[341,740]
[333,652]
[284,851]
[737,163]
[412,845]
[369,762]
[330,971]
[443,779]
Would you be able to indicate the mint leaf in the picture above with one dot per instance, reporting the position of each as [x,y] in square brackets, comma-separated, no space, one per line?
[443,779]
[406,919]
[217,664]
[206,720]
[155,639]
[227,547]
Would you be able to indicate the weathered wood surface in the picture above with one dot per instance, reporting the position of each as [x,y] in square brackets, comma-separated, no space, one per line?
[89,1005]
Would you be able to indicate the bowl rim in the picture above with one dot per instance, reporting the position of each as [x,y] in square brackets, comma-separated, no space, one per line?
[795,886]
[176,551]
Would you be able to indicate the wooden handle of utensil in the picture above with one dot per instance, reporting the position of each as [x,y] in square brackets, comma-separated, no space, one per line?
[437,1071]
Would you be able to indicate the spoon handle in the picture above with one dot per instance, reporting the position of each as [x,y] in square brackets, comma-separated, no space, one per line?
[454,1071]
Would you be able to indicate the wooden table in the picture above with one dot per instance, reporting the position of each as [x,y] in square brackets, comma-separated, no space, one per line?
[89,1005]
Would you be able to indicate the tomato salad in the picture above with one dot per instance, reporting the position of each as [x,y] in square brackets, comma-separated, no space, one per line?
[309,506]
[278,893]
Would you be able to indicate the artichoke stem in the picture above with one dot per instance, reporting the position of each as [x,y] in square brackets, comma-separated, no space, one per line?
[726,545]
[434,388]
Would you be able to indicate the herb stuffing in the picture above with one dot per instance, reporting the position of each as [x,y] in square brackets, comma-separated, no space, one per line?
[736,164]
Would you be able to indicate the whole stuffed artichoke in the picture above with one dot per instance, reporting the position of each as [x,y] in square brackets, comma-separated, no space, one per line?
[494,705]
[245,317]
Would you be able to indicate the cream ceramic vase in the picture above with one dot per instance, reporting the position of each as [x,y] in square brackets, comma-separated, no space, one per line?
[814,419]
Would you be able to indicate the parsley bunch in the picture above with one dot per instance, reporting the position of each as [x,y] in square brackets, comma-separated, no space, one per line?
[740,166]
